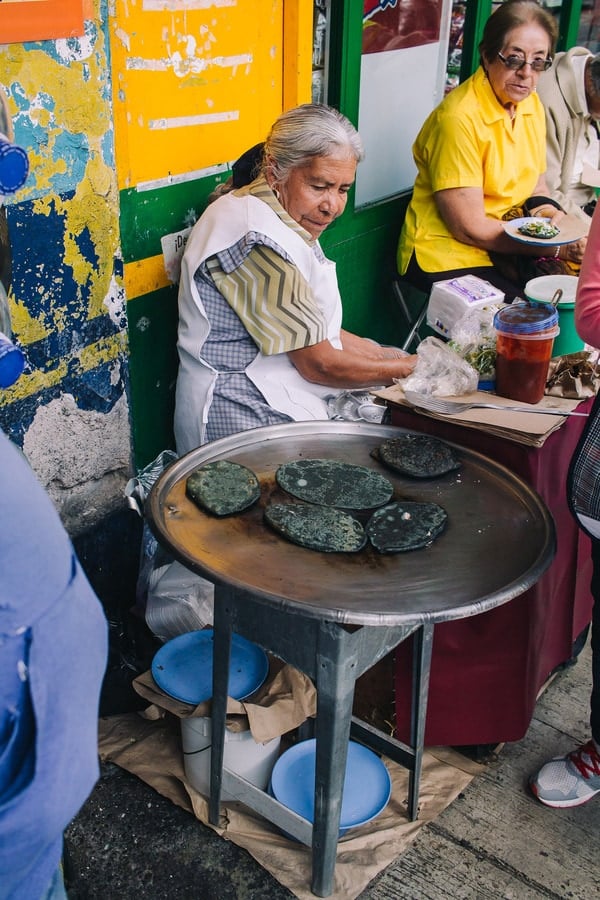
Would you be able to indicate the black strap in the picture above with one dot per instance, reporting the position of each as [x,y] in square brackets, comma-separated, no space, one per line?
[533,202]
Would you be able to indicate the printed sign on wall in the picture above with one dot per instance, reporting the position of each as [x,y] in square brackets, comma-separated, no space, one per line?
[404,42]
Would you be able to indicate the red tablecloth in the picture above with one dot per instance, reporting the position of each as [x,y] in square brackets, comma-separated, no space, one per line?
[487,670]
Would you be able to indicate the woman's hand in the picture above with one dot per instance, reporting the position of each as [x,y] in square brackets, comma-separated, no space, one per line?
[574,251]
[392,353]
[361,363]
[370,349]
[547,211]
[463,212]
[406,365]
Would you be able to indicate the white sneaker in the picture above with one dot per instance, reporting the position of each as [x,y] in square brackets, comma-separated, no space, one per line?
[569,780]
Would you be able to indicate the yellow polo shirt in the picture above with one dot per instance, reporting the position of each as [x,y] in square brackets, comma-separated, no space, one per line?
[469,141]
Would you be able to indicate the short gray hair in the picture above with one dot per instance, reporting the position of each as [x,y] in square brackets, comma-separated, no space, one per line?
[305,132]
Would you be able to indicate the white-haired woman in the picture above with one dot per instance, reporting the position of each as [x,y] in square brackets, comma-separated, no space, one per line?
[260,339]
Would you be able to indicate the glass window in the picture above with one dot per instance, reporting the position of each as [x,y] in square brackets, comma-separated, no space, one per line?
[589,26]
[402,77]
[320,50]
[455,44]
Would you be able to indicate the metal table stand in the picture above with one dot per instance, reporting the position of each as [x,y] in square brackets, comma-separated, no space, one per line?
[333,656]
[332,615]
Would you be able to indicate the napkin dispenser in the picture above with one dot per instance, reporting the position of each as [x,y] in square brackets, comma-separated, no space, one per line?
[451,299]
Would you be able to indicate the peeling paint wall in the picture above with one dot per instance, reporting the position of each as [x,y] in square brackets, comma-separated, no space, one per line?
[195,83]
[69,410]
[128,128]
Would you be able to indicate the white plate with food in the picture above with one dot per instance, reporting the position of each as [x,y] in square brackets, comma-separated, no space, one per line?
[539,230]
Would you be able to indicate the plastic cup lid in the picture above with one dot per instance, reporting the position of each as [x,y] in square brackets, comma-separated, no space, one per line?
[14,167]
[182,667]
[12,364]
[543,288]
[367,785]
[526,318]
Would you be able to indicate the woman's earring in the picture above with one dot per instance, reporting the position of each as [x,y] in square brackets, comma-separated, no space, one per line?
[277,195]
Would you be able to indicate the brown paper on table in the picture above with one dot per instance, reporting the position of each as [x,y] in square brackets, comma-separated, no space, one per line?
[531,429]
[152,752]
[574,375]
[281,704]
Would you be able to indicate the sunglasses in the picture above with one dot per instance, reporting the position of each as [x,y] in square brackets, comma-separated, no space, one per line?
[516,63]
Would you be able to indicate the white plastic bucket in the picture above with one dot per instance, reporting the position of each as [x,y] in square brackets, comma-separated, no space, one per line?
[541,290]
[242,755]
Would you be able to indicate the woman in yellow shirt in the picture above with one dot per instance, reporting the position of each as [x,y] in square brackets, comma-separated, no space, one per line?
[481,153]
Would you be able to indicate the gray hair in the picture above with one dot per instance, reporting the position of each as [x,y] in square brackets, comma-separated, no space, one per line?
[305,132]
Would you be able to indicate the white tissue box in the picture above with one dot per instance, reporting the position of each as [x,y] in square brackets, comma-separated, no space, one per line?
[451,299]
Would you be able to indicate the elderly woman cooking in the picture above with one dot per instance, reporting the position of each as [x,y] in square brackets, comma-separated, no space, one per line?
[481,158]
[260,338]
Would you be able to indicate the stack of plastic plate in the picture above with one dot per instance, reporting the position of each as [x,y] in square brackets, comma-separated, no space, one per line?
[367,785]
[182,667]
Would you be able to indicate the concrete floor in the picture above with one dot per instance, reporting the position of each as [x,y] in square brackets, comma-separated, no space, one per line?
[494,841]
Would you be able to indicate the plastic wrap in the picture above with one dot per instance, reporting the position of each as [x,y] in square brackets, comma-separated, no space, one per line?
[440,371]
[174,599]
[473,337]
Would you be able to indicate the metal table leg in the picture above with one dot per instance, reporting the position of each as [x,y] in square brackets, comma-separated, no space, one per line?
[221,656]
[422,646]
[335,682]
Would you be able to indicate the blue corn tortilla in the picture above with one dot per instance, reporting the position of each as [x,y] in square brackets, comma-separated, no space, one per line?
[223,488]
[417,455]
[405,525]
[320,528]
[330,482]
[539,229]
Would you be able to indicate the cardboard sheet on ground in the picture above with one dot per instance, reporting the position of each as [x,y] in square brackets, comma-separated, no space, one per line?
[151,750]
[282,703]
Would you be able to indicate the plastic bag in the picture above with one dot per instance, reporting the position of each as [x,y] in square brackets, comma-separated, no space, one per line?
[473,337]
[174,599]
[354,406]
[177,601]
[439,371]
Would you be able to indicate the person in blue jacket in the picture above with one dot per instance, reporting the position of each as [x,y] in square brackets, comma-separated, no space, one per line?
[53,652]
[53,648]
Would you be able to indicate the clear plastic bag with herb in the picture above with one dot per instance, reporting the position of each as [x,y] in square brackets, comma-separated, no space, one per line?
[473,337]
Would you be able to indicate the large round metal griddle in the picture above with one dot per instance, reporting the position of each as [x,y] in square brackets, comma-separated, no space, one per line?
[498,541]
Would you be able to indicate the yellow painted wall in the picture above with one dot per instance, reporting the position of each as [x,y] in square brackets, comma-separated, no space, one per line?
[71,182]
[69,177]
[196,82]
[62,263]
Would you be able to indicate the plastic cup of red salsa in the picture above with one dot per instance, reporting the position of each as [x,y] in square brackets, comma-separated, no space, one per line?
[524,338]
